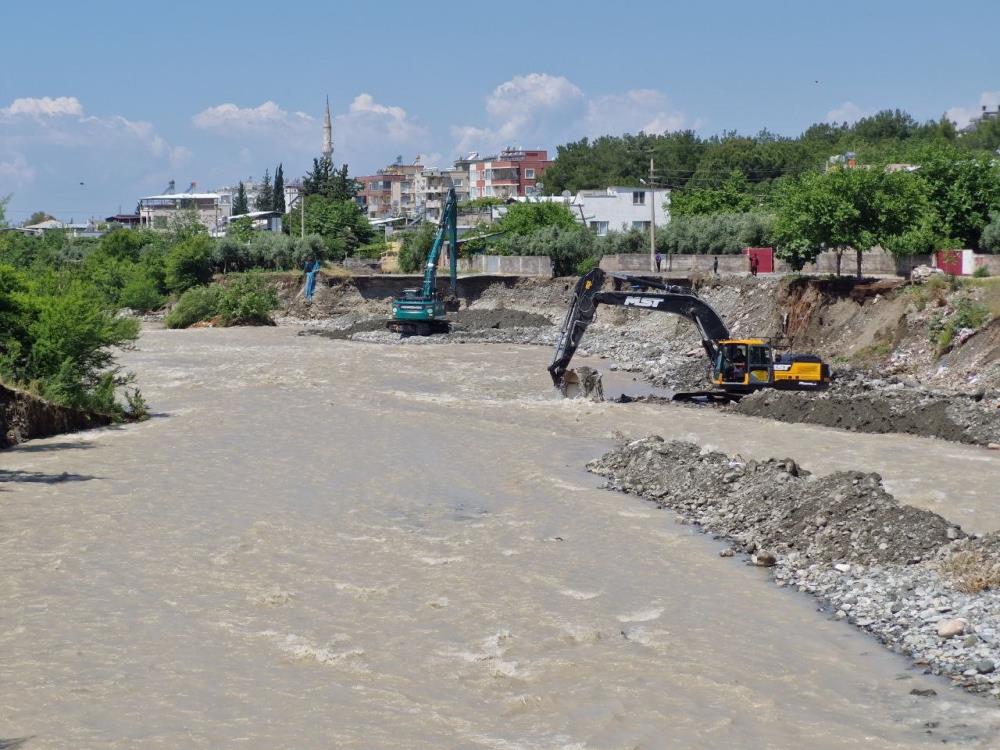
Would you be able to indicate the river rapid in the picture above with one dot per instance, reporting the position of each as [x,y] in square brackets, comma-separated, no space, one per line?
[320,544]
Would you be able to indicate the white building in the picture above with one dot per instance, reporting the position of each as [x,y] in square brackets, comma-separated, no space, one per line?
[621,208]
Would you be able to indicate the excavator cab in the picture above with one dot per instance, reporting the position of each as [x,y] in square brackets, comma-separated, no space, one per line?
[743,365]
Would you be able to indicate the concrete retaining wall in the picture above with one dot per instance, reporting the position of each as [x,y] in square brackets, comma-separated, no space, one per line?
[874,263]
[519,265]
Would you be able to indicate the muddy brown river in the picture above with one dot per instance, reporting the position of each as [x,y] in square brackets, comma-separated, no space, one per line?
[324,544]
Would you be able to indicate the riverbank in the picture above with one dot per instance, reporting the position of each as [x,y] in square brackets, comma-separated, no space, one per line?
[24,416]
[907,576]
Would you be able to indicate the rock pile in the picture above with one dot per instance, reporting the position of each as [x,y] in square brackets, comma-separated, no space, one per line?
[905,575]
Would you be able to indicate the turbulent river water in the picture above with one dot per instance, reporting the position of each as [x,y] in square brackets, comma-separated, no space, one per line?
[319,544]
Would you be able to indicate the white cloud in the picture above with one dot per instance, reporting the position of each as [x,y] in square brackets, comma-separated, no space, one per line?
[639,110]
[962,116]
[367,120]
[237,120]
[45,106]
[539,109]
[16,171]
[848,112]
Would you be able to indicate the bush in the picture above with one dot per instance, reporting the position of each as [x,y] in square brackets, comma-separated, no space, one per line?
[246,299]
[140,292]
[981,272]
[990,239]
[61,339]
[189,263]
[196,304]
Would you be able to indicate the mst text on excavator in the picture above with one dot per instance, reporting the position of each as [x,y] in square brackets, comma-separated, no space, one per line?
[738,365]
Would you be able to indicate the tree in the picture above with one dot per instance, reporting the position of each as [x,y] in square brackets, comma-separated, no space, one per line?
[189,264]
[964,189]
[240,205]
[526,218]
[4,200]
[240,229]
[341,223]
[991,235]
[732,197]
[331,183]
[842,209]
[38,217]
[265,196]
[279,190]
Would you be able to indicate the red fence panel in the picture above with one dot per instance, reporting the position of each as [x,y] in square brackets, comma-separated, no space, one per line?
[764,256]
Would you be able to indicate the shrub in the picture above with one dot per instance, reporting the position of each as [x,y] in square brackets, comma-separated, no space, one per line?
[246,299]
[981,272]
[416,244]
[140,292]
[189,263]
[196,304]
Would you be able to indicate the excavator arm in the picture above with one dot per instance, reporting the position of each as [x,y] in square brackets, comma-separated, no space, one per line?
[670,299]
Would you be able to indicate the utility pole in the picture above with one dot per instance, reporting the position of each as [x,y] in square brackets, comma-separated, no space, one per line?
[302,200]
[652,218]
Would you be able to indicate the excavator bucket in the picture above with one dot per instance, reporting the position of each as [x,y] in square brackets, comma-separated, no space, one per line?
[583,382]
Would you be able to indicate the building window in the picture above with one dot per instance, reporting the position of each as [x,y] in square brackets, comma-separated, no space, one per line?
[529,174]
[638,197]
[641,225]
[600,228]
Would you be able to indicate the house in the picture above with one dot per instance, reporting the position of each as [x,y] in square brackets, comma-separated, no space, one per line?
[129,221]
[157,211]
[262,221]
[54,225]
[620,208]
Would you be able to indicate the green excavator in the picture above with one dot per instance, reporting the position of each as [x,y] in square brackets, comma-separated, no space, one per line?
[421,312]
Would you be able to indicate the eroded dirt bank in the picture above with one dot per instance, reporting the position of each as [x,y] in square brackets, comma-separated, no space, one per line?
[905,575]
[25,417]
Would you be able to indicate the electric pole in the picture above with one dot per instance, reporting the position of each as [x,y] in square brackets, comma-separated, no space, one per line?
[652,218]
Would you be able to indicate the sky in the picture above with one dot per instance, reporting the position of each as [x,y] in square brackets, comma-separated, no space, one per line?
[103,103]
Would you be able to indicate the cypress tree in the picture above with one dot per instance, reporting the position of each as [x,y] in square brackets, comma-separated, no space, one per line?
[279,190]
[240,201]
[265,196]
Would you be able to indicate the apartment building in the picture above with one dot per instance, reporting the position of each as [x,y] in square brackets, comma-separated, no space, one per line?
[621,208]
[512,173]
[157,211]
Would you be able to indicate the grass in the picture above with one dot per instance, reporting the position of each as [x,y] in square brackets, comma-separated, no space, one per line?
[971,572]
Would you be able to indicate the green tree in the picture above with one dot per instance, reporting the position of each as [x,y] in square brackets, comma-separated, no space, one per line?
[526,218]
[38,217]
[240,205]
[279,190]
[991,235]
[733,196]
[240,229]
[415,247]
[189,263]
[963,188]
[328,182]
[341,223]
[842,209]
[4,200]
[265,196]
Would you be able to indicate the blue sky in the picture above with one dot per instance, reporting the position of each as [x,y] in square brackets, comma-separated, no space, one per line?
[123,96]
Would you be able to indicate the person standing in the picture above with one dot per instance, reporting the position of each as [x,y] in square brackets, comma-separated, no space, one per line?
[715,265]
[659,260]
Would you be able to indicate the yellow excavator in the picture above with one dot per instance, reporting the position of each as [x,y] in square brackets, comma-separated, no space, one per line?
[738,366]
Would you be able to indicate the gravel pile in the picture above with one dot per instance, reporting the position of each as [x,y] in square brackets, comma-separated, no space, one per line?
[864,405]
[905,575]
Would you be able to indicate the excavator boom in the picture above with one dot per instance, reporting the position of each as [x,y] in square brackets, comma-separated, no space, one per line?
[672,299]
